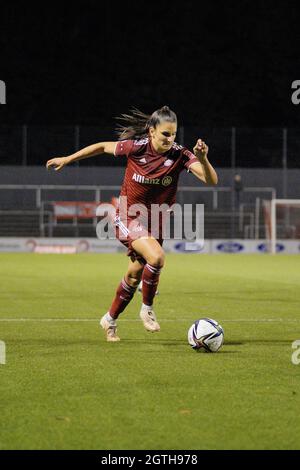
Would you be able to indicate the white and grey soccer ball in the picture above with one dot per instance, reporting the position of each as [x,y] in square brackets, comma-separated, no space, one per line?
[206,335]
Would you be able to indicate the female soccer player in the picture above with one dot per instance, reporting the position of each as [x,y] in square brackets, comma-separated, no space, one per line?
[154,162]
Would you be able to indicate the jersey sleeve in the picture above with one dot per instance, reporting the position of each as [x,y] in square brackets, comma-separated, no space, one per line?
[188,158]
[124,148]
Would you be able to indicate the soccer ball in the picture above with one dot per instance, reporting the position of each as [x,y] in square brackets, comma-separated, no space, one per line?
[206,335]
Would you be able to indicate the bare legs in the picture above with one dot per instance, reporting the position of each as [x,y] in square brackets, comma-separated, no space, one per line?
[153,254]
[150,250]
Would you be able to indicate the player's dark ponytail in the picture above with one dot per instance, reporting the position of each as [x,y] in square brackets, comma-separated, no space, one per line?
[138,123]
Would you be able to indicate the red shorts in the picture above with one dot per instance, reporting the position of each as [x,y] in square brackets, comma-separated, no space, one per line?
[128,233]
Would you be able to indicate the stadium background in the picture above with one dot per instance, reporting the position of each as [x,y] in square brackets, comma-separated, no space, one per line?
[227,70]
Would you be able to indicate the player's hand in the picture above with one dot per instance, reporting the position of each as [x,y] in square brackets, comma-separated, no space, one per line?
[200,149]
[57,163]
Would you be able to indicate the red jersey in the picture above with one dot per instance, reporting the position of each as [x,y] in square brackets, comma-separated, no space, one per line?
[152,177]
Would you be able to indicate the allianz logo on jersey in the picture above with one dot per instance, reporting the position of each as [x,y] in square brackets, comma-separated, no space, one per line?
[165,181]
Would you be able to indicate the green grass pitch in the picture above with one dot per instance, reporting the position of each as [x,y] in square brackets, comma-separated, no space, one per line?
[64,387]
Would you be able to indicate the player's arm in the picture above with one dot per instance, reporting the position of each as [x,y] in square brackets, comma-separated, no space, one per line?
[203,170]
[86,152]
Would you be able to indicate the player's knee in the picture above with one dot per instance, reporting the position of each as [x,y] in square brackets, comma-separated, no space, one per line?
[133,278]
[157,259]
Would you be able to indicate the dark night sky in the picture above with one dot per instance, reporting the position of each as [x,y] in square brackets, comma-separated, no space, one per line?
[217,64]
[222,63]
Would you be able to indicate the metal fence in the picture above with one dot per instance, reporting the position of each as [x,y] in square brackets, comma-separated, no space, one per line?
[241,217]
[231,147]
[32,196]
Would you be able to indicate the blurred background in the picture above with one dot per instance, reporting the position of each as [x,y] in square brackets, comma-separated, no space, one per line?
[226,69]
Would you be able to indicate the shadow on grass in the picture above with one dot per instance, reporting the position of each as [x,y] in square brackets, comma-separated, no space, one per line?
[258,341]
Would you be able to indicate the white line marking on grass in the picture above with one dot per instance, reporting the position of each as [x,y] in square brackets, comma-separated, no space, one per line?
[174,320]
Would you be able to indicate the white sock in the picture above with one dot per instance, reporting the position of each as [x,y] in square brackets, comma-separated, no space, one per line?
[109,318]
[147,306]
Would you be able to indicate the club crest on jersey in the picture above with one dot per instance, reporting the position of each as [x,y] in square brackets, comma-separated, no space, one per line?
[168,162]
[167,180]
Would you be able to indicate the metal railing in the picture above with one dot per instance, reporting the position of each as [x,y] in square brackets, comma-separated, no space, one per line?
[214,191]
[243,217]
[235,147]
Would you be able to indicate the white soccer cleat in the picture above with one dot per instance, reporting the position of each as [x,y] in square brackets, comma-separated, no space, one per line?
[110,330]
[140,288]
[149,319]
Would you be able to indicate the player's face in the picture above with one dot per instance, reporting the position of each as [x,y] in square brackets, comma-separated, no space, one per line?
[163,136]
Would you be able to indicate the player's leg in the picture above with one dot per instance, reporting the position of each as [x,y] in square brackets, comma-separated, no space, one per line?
[124,294]
[134,272]
[140,288]
[150,250]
